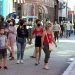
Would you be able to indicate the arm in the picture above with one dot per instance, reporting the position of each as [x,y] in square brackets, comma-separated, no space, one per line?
[54,42]
[6,41]
[33,33]
[15,31]
[42,39]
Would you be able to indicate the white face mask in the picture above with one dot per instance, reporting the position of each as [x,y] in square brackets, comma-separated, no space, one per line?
[11,23]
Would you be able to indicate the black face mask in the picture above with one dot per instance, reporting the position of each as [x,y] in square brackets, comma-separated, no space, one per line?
[24,26]
[11,24]
[38,25]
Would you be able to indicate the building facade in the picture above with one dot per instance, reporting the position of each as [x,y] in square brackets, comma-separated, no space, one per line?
[40,8]
[63,10]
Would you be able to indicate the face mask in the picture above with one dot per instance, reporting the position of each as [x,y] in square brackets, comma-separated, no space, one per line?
[38,25]
[11,24]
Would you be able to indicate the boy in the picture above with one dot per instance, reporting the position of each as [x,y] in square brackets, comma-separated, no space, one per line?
[3,50]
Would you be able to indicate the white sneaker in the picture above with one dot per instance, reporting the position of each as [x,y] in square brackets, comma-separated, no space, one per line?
[18,61]
[21,62]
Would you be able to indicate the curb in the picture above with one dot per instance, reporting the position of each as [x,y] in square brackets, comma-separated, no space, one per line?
[69,69]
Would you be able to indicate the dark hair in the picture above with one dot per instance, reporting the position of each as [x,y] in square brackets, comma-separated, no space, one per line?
[8,21]
[1,18]
[37,20]
[21,21]
[12,20]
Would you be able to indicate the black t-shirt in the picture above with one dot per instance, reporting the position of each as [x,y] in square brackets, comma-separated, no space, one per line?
[22,32]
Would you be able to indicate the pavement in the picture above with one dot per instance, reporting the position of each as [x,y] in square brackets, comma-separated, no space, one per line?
[71,68]
[57,63]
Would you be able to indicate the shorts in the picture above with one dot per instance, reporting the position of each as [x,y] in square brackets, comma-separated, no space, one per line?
[38,41]
[3,53]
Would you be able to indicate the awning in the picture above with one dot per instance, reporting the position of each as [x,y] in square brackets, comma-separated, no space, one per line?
[20,1]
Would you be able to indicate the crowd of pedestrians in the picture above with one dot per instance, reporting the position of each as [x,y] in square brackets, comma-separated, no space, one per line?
[44,37]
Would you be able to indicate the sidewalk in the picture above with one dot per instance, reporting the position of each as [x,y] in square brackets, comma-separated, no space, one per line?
[71,69]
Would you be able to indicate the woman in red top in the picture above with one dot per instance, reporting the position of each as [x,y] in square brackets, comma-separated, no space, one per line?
[47,38]
[37,31]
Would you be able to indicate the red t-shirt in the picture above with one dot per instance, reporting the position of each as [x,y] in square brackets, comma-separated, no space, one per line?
[48,38]
[37,31]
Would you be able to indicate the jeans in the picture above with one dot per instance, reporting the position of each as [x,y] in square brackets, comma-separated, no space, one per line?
[68,33]
[20,50]
[56,35]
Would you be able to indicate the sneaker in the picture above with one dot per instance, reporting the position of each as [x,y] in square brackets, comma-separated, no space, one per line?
[5,67]
[32,57]
[46,67]
[36,64]
[12,58]
[18,61]
[21,62]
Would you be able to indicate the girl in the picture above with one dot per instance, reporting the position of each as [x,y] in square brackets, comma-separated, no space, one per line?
[22,34]
[37,31]
[11,37]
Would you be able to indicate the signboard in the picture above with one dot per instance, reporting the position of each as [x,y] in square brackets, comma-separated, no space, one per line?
[71,12]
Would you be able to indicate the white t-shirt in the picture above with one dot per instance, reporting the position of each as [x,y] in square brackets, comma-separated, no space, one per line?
[56,27]
[68,26]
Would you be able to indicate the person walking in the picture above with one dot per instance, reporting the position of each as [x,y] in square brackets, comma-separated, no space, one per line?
[22,34]
[3,49]
[56,28]
[62,29]
[68,31]
[74,28]
[37,31]
[11,37]
[47,39]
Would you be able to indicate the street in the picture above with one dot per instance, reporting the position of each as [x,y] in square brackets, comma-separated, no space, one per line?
[57,64]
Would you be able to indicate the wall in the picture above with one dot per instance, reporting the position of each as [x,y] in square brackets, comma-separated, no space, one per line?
[7,7]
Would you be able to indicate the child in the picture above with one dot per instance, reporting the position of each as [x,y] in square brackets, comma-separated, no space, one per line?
[3,50]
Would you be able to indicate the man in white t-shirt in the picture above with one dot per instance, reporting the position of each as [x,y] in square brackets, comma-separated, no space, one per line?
[56,28]
[68,30]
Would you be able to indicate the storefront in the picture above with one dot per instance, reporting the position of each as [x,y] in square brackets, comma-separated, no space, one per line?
[6,7]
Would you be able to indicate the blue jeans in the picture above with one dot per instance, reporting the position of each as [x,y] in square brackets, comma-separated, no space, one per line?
[20,50]
[68,33]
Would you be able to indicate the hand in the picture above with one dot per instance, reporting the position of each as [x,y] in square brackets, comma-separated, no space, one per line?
[56,45]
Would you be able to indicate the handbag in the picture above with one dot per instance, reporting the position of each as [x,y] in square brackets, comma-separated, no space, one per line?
[50,44]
